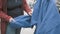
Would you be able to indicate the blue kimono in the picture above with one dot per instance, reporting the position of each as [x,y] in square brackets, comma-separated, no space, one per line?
[45,16]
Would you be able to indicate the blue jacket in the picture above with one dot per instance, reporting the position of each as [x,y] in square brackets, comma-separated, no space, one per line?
[45,16]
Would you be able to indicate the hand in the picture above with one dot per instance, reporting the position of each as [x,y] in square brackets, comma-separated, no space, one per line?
[11,20]
[30,13]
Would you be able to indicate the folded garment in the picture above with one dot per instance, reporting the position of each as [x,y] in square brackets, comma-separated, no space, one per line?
[45,16]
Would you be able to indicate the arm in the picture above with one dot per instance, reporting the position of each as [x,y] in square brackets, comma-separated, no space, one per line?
[2,14]
[26,7]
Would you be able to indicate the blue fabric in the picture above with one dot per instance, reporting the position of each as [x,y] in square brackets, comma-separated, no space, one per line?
[21,21]
[45,16]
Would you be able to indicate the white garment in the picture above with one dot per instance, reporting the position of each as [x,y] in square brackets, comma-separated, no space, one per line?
[28,30]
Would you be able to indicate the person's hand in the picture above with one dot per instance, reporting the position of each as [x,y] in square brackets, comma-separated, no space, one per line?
[12,23]
[11,20]
[30,13]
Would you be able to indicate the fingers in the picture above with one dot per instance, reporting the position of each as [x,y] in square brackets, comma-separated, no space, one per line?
[30,13]
[11,19]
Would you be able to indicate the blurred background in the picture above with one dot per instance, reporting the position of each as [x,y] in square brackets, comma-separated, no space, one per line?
[58,4]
